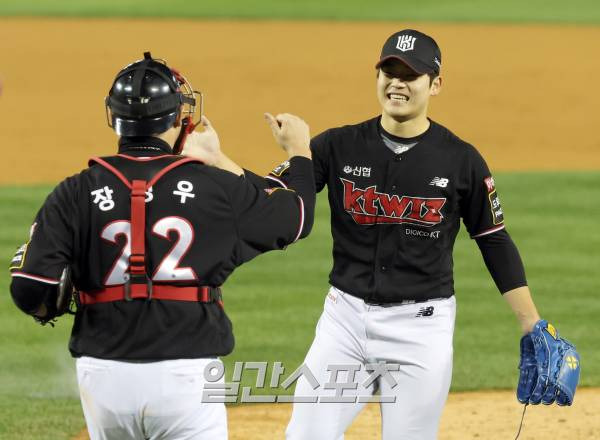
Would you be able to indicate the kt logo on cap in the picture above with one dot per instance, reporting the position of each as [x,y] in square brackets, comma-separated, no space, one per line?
[406,43]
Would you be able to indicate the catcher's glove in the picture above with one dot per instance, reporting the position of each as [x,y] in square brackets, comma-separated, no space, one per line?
[61,302]
[549,367]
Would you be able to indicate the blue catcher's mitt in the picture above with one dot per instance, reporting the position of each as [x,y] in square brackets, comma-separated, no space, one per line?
[549,367]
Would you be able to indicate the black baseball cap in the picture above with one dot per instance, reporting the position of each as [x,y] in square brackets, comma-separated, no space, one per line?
[418,51]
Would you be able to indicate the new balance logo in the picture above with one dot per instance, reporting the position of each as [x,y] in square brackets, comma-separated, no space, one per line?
[442,182]
[425,311]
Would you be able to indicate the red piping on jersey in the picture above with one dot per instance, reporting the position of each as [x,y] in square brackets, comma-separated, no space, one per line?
[108,166]
[34,277]
[142,159]
[169,168]
[280,182]
[301,219]
[159,291]
[161,173]
[489,231]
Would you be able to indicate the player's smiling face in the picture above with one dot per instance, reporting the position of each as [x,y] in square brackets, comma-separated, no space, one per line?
[403,93]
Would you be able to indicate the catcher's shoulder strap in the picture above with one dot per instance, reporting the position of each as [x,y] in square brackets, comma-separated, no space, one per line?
[138,174]
[148,169]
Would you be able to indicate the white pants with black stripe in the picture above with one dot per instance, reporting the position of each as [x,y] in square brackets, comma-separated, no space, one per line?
[415,338]
[155,401]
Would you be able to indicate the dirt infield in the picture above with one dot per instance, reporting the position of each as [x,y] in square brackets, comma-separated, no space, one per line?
[520,94]
[482,415]
[476,415]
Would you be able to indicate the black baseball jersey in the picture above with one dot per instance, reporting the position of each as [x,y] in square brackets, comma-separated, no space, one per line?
[200,224]
[395,217]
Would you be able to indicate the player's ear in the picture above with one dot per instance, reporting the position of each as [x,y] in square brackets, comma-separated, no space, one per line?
[436,86]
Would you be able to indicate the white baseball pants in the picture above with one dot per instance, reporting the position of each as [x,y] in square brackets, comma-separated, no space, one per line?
[148,401]
[417,337]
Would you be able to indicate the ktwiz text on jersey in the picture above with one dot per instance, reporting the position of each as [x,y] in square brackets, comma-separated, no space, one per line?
[367,207]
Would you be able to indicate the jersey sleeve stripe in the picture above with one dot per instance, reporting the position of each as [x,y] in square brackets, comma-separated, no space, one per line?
[34,277]
[489,231]
[275,179]
[301,219]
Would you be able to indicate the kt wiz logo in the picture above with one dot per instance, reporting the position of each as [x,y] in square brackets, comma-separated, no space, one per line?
[405,43]
[369,207]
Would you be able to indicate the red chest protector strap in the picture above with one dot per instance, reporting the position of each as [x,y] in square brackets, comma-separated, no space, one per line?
[137,260]
[139,285]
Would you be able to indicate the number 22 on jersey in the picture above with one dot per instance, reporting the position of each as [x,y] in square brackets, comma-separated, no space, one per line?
[168,269]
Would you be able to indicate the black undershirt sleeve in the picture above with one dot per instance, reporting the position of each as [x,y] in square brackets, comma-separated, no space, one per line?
[503,261]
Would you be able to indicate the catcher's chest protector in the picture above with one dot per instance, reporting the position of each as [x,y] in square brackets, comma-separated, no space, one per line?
[148,172]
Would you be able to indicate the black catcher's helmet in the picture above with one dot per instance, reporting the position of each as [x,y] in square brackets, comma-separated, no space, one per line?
[147,98]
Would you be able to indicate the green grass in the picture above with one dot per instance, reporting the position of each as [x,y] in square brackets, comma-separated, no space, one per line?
[275,301]
[559,11]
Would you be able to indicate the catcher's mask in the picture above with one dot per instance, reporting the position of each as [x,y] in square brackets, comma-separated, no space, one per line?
[148,97]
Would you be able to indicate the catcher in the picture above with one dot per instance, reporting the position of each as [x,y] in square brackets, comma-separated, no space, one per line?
[149,236]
